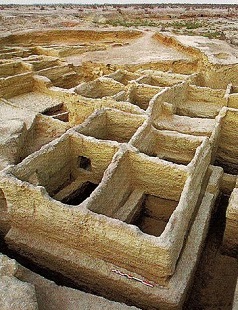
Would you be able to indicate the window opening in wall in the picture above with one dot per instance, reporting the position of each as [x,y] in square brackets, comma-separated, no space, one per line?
[58,112]
[84,163]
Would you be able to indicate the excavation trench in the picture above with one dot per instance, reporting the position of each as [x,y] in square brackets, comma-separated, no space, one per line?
[215,279]
[56,277]
[46,273]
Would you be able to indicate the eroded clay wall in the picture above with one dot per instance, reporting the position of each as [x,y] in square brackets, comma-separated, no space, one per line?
[140,94]
[43,130]
[53,36]
[227,153]
[99,154]
[50,168]
[121,125]
[99,88]
[11,68]
[173,146]
[157,177]
[215,96]
[233,99]
[220,76]
[115,189]
[174,95]
[16,85]
[95,125]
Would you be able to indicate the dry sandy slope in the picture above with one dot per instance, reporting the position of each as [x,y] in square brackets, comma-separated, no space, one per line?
[142,50]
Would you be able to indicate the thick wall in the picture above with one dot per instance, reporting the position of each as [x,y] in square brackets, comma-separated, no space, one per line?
[215,96]
[50,168]
[202,102]
[44,130]
[175,95]
[11,68]
[227,153]
[99,153]
[233,101]
[111,124]
[169,145]
[141,94]
[80,108]
[113,192]
[189,199]
[123,76]
[99,88]
[218,76]
[94,270]
[41,62]
[23,83]
[162,79]
[157,177]
[95,125]
[121,126]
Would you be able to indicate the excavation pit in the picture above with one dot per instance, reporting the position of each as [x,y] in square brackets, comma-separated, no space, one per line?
[155,214]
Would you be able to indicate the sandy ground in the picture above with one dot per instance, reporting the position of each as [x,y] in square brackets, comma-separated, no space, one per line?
[142,50]
[213,21]
[218,51]
[34,101]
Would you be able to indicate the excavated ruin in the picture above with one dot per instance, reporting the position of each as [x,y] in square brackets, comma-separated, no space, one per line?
[119,163]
